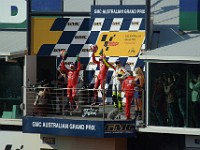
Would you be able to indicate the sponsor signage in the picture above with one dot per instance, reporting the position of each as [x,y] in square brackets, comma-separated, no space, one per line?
[135,11]
[46,5]
[120,43]
[15,11]
[14,14]
[56,126]
[119,128]
[81,128]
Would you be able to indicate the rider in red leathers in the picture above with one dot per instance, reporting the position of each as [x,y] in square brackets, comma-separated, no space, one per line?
[101,77]
[73,75]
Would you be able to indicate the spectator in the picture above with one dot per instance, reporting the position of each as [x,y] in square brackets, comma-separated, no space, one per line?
[158,101]
[194,85]
[138,92]
[170,99]
[41,102]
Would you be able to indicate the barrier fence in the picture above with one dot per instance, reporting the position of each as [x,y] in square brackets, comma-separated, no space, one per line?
[55,102]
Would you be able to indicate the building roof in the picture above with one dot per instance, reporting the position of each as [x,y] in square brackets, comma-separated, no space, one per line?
[13,43]
[185,50]
[170,43]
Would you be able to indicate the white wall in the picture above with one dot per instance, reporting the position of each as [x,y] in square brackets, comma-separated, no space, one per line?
[18,139]
[77,5]
[80,143]
[85,5]
[134,2]
[107,2]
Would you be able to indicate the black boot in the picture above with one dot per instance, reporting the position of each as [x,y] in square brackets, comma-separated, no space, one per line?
[114,99]
[139,117]
[136,114]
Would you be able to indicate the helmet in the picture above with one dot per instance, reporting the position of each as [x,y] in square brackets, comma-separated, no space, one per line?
[100,58]
[71,65]
[94,47]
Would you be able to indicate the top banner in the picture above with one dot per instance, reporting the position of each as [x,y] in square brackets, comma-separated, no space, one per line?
[124,11]
[46,6]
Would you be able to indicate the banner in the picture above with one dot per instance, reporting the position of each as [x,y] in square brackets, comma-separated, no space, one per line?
[81,128]
[120,43]
[124,11]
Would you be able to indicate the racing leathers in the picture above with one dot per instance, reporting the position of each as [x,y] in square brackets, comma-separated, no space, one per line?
[119,75]
[73,75]
[101,77]
[128,88]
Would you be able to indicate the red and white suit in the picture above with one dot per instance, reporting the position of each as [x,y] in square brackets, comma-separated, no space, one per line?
[128,87]
[73,75]
[101,77]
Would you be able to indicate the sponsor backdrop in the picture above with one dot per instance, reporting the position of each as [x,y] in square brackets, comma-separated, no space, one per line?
[118,30]
[15,11]
[46,5]
[14,14]
[82,128]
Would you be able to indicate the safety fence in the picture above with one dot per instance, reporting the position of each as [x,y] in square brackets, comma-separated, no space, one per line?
[76,103]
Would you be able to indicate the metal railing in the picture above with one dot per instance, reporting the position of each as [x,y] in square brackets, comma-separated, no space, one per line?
[54,102]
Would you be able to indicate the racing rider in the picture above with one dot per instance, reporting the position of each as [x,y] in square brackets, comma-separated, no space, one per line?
[101,77]
[119,75]
[73,75]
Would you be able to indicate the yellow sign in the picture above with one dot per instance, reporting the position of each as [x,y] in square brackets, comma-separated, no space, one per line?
[41,33]
[120,43]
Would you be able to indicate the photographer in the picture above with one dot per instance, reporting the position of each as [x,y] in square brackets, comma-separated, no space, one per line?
[41,102]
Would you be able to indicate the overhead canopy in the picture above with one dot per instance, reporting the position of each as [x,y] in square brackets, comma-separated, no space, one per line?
[187,50]
[12,44]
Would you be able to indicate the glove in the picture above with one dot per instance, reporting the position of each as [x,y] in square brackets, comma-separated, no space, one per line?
[119,75]
[77,58]
[101,52]
[64,55]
